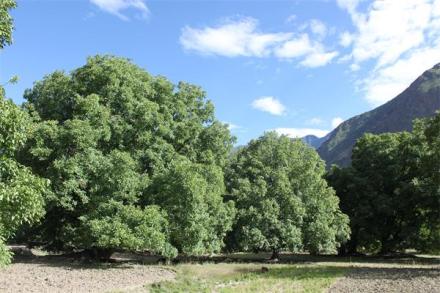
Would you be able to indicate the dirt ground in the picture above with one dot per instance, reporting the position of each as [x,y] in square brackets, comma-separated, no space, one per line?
[33,273]
[64,275]
[389,279]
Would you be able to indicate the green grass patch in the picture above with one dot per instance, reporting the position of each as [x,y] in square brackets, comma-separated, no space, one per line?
[251,278]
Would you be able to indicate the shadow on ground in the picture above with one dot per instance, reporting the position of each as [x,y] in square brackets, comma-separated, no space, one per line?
[79,260]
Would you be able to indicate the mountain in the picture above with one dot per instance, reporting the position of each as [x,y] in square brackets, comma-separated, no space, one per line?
[420,99]
[314,141]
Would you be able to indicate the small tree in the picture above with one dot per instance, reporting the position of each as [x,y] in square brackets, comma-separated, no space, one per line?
[282,201]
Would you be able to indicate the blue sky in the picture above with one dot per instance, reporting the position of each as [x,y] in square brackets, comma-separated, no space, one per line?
[298,67]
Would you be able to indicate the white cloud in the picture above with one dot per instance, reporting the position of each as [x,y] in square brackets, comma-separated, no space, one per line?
[345,39]
[301,132]
[336,121]
[388,82]
[317,59]
[313,53]
[291,18]
[402,38]
[270,105]
[117,6]
[232,39]
[315,121]
[318,28]
[241,38]
[355,67]
[294,47]
[231,126]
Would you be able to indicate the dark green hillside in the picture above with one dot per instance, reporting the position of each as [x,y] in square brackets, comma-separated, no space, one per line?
[420,99]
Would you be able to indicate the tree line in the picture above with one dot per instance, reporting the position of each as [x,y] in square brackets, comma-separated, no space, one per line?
[391,192]
[108,158]
[128,161]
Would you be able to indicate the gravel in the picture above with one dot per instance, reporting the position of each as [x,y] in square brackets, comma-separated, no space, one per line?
[380,279]
[65,276]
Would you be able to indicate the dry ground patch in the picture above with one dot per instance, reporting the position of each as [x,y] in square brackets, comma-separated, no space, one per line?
[45,274]
[226,273]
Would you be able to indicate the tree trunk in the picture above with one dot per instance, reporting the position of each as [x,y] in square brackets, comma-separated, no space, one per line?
[275,255]
[100,254]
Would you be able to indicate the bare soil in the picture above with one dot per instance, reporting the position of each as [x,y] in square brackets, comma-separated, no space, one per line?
[128,273]
[58,274]
[391,279]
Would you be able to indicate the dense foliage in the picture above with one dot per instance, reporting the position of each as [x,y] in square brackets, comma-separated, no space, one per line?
[282,201]
[112,158]
[391,191]
[132,153]
[427,181]
[192,196]
[21,193]
[6,22]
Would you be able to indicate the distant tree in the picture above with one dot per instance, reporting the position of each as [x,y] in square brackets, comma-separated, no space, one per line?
[6,22]
[282,201]
[105,135]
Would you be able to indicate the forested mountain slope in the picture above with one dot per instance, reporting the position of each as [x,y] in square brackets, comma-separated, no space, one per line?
[420,99]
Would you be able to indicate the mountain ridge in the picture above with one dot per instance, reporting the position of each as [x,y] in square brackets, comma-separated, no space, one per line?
[314,141]
[420,99]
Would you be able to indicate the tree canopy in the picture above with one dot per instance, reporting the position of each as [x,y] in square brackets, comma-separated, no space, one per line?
[21,193]
[282,201]
[391,190]
[109,132]
[6,22]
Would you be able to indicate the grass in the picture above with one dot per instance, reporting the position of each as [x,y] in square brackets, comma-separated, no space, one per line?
[250,278]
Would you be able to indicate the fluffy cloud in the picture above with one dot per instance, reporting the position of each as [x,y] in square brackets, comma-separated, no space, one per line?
[345,39]
[117,6]
[242,38]
[232,39]
[270,105]
[293,48]
[336,122]
[402,38]
[388,82]
[301,132]
[313,53]
[318,27]
[317,59]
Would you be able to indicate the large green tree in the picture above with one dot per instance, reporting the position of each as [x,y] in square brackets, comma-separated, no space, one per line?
[375,193]
[391,191]
[21,193]
[192,195]
[427,183]
[282,201]
[107,135]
